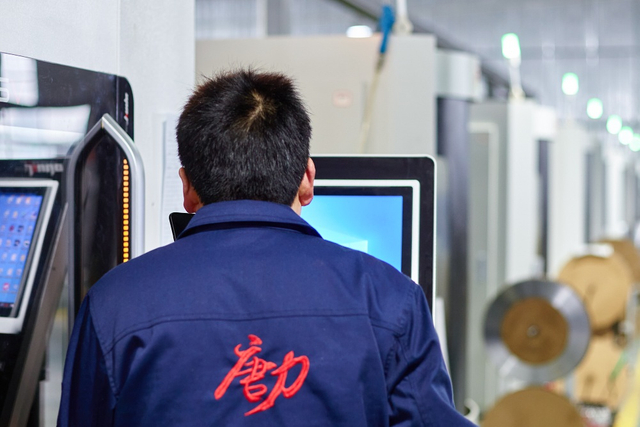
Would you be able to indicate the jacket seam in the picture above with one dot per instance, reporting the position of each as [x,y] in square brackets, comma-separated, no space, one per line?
[108,366]
[174,319]
[421,410]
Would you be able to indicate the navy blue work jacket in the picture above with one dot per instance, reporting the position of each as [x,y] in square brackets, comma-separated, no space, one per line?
[251,319]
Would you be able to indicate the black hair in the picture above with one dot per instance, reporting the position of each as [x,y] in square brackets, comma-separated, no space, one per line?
[245,135]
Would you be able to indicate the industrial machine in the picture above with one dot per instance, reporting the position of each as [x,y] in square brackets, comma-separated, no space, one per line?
[72,189]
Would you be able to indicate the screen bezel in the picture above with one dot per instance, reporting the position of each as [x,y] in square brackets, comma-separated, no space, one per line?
[12,324]
[409,190]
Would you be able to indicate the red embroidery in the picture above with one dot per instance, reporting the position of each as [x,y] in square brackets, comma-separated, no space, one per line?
[256,369]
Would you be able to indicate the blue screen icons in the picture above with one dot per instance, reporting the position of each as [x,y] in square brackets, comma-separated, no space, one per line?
[18,216]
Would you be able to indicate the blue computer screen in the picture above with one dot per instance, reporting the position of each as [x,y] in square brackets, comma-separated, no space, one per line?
[369,223]
[18,216]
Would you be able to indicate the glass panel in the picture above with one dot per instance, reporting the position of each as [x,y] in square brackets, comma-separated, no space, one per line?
[45,108]
[100,184]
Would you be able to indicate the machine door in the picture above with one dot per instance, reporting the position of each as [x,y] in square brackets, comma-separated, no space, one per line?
[106,204]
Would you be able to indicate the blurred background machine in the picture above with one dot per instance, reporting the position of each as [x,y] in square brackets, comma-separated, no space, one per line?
[573,339]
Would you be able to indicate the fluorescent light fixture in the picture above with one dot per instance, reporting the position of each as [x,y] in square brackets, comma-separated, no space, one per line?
[359,31]
[510,46]
[570,84]
[594,108]
[614,124]
[635,143]
[626,135]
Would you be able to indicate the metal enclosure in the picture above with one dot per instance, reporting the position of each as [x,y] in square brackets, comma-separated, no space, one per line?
[595,195]
[617,218]
[631,196]
[568,195]
[453,145]
[457,75]
[505,200]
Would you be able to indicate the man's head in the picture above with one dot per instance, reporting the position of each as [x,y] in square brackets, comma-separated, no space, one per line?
[245,135]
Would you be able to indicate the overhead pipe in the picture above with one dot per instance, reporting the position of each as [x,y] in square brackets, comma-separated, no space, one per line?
[493,76]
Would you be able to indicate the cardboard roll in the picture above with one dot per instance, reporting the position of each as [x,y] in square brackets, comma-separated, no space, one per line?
[603,283]
[627,250]
[533,407]
[602,378]
[536,331]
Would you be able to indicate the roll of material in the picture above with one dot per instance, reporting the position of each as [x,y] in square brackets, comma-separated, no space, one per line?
[533,407]
[628,252]
[603,376]
[537,331]
[604,284]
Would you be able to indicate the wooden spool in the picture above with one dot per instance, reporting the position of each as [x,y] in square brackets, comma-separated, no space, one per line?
[533,407]
[602,377]
[534,331]
[628,252]
[537,331]
[604,284]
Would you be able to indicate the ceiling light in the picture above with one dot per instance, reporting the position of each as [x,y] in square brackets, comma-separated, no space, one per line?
[614,124]
[359,31]
[570,84]
[510,46]
[626,135]
[594,108]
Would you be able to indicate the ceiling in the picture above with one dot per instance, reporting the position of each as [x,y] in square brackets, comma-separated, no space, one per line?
[599,40]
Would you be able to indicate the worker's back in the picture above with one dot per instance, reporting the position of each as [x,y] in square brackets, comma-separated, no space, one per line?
[251,319]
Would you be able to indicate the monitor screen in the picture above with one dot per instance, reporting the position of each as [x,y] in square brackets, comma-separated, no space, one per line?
[372,216]
[25,205]
[19,212]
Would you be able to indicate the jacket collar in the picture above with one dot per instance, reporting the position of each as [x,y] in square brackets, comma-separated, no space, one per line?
[246,213]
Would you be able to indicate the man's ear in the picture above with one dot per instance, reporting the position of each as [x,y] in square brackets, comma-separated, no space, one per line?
[191,199]
[305,192]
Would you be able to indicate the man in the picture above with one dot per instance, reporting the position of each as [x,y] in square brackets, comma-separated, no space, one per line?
[250,318]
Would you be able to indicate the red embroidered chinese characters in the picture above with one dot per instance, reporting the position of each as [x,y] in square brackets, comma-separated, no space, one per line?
[255,370]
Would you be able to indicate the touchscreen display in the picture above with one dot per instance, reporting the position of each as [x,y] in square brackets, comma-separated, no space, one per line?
[377,224]
[19,210]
